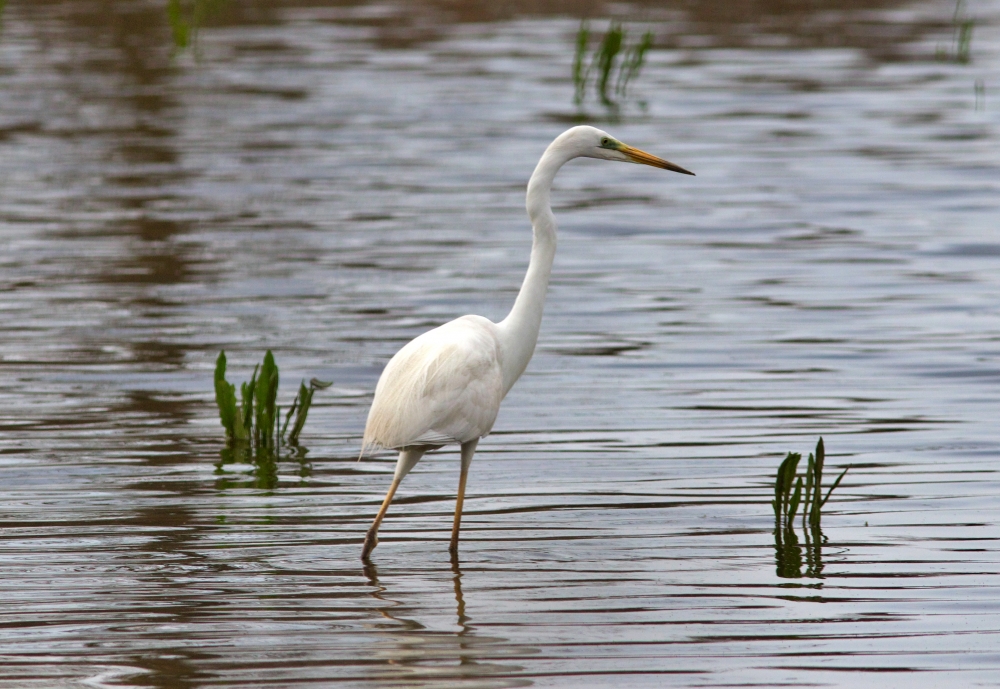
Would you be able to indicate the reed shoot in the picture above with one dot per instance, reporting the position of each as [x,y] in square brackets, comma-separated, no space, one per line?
[790,491]
[255,422]
[808,489]
[785,502]
[963,34]
[962,27]
[186,17]
[614,64]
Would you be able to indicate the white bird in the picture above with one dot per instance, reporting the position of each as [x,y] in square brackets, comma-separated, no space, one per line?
[446,385]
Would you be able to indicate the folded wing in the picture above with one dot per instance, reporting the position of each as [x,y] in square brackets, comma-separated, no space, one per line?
[443,387]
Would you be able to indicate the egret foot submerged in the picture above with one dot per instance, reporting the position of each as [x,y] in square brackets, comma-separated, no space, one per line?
[371,540]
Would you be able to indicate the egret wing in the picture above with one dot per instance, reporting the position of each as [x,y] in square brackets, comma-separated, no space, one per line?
[443,387]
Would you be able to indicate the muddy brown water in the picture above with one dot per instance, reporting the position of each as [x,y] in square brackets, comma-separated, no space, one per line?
[328,181]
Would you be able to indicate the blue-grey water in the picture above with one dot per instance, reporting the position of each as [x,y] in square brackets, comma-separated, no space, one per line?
[329,180]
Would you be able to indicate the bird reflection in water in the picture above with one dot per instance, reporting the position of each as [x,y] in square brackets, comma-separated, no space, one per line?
[463,619]
[371,573]
[441,657]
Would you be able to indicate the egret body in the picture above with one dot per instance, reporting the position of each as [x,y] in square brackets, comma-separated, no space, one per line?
[446,385]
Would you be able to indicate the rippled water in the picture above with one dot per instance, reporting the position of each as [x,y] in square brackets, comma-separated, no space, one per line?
[328,182]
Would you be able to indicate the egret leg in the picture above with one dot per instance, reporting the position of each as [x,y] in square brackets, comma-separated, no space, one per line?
[407,459]
[371,538]
[468,449]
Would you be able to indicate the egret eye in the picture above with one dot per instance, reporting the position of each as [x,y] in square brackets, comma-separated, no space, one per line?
[605,141]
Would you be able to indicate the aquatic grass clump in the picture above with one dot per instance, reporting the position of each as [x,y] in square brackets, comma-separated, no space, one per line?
[790,491]
[786,502]
[255,423]
[603,63]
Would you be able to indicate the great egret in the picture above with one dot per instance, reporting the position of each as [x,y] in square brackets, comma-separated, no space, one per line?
[446,385]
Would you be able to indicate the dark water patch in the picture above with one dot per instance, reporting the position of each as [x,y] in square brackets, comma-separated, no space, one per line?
[973,250]
[272,92]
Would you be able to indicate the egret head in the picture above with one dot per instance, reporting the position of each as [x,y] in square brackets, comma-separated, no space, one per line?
[590,142]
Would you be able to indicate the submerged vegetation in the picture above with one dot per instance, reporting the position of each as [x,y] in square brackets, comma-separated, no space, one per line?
[186,17]
[613,64]
[962,26]
[254,428]
[790,491]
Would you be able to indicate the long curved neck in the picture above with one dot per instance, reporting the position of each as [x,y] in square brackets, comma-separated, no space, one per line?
[518,332]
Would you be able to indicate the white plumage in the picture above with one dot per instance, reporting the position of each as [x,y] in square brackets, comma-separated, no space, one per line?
[443,387]
[446,385]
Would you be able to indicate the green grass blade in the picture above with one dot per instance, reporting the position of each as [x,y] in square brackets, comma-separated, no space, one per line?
[792,462]
[267,393]
[272,405]
[179,26]
[580,75]
[247,391]
[779,480]
[240,432]
[632,64]
[817,498]
[964,42]
[807,495]
[835,484]
[225,398]
[796,496]
[220,361]
[606,57]
[305,394]
[291,410]
[275,434]
[783,481]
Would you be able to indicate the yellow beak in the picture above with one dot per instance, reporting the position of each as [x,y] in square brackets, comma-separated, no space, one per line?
[643,158]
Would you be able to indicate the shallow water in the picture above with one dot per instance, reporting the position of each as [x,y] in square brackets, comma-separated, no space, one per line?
[330,182]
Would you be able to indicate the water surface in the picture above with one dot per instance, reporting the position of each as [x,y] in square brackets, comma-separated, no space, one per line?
[328,182]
